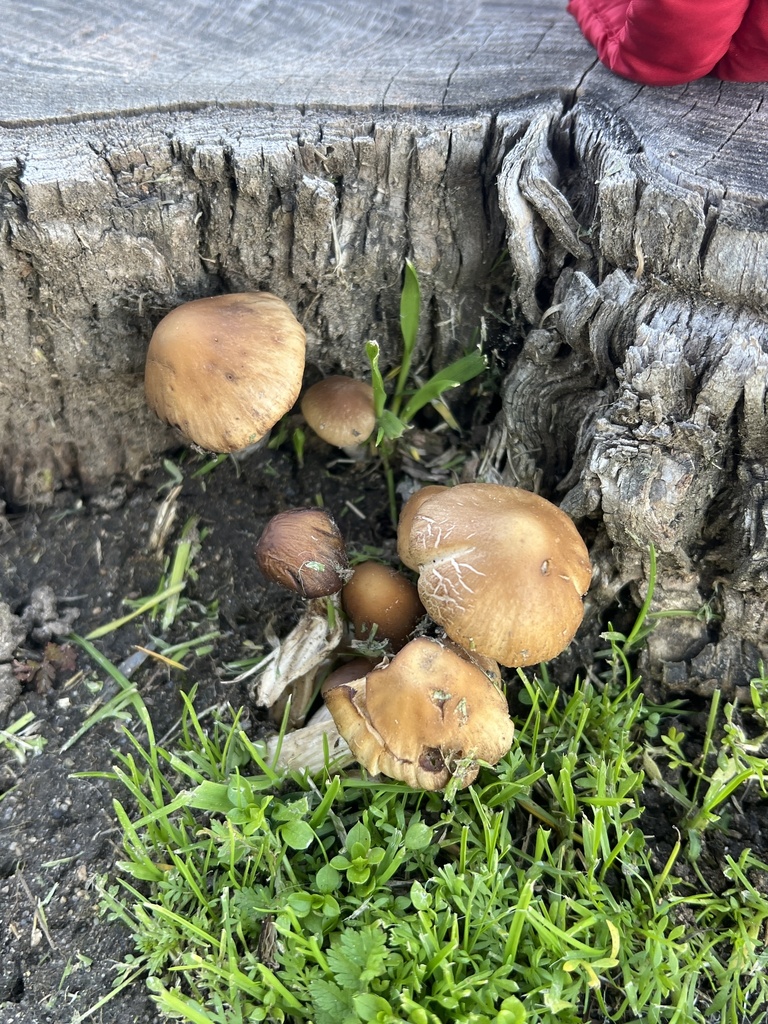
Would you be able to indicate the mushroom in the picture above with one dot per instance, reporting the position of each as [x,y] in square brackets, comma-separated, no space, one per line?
[225,369]
[341,411]
[428,715]
[348,672]
[411,507]
[379,596]
[303,549]
[503,571]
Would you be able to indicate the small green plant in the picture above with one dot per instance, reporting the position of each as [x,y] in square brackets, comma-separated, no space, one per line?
[532,896]
[21,738]
[176,572]
[199,465]
[395,412]
[119,696]
[123,695]
[705,784]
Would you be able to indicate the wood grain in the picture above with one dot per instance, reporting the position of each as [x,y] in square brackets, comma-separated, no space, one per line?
[68,60]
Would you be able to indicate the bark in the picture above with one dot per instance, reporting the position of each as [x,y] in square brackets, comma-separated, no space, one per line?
[611,239]
[157,210]
[640,393]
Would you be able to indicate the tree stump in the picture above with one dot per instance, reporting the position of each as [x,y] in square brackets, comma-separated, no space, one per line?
[613,240]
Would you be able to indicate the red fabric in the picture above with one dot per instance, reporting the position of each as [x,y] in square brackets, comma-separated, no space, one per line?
[667,42]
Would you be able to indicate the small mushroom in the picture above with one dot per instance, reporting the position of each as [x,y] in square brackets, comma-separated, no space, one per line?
[379,596]
[341,411]
[303,549]
[348,672]
[503,571]
[224,369]
[426,716]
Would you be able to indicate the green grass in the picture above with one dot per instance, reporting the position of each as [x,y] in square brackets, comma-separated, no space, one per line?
[533,896]
[21,738]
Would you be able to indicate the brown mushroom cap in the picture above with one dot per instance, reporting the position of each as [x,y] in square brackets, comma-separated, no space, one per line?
[487,666]
[225,369]
[379,595]
[303,549]
[426,714]
[407,515]
[340,410]
[347,672]
[503,571]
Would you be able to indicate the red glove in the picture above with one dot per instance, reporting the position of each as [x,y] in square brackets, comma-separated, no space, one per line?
[667,42]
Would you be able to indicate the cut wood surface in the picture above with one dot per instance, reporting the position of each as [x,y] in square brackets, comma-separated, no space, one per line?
[151,154]
[67,60]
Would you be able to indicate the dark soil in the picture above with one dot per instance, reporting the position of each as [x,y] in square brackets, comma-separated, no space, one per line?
[59,836]
[57,954]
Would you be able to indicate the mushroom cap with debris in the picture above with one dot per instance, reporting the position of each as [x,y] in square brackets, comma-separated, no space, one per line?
[429,714]
[382,604]
[303,550]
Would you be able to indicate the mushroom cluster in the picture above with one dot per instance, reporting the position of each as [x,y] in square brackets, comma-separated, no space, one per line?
[224,369]
[500,572]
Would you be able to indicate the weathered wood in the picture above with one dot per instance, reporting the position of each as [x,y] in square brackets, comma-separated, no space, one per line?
[157,210]
[151,156]
[64,61]
[641,392]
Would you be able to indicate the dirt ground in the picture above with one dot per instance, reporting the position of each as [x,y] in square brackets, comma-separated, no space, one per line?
[59,836]
[57,956]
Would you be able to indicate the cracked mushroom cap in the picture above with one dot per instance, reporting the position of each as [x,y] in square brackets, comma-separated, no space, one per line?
[503,571]
[224,369]
[425,716]
[340,410]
